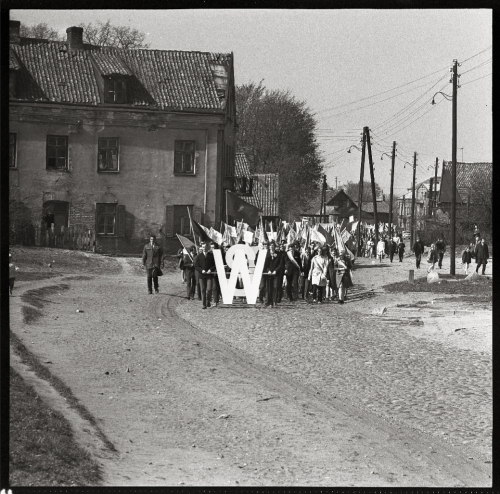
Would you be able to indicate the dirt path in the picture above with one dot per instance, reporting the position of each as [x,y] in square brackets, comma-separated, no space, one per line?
[183,406]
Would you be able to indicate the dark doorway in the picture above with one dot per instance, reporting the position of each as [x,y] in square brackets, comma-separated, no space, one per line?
[56,213]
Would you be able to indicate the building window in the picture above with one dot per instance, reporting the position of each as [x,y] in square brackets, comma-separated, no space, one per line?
[108,154]
[57,152]
[184,157]
[106,219]
[12,150]
[115,90]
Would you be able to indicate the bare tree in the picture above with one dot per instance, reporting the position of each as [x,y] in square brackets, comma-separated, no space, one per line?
[41,31]
[105,34]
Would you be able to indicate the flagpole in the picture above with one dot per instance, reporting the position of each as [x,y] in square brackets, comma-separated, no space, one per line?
[192,229]
[227,215]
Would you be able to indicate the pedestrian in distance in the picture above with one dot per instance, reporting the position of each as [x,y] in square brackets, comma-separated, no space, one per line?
[281,251]
[318,274]
[369,247]
[332,274]
[401,250]
[440,248]
[197,275]
[180,263]
[272,266]
[189,272]
[152,261]
[418,249]
[12,273]
[344,276]
[380,249]
[482,255]
[263,251]
[432,258]
[392,248]
[466,259]
[215,278]
[204,264]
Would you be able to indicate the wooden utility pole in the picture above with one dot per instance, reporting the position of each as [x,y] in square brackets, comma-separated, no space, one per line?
[453,169]
[372,177]
[323,202]
[412,234]
[360,189]
[335,183]
[436,184]
[429,212]
[392,187]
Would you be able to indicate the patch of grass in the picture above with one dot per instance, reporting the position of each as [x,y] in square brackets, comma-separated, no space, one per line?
[44,373]
[43,451]
[480,291]
[62,261]
[37,297]
[30,315]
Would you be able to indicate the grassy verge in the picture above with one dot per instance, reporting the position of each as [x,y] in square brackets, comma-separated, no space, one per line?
[43,451]
[480,291]
[44,373]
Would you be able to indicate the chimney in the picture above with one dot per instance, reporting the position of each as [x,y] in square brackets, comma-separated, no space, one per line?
[75,38]
[14,28]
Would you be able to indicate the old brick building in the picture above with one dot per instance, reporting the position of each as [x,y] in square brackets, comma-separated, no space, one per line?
[119,142]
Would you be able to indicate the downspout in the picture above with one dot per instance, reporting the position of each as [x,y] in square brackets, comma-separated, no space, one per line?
[206,171]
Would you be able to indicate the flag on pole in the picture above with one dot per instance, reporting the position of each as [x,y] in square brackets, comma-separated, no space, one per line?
[328,238]
[215,236]
[186,243]
[240,209]
[199,230]
[316,236]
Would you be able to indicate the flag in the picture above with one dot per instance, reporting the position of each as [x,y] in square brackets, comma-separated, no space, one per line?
[186,243]
[215,236]
[226,236]
[271,235]
[315,236]
[248,237]
[291,236]
[241,210]
[201,231]
[328,238]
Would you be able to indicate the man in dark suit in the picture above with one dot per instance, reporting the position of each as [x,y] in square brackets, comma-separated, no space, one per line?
[204,264]
[482,255]
[281,251]
[272,268]
[440,247]
[293,267]
[418,249]
[262,286]
[152,260]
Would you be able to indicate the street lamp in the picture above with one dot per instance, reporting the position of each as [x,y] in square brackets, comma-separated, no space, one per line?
[353,146]
[447,96]
[387,154]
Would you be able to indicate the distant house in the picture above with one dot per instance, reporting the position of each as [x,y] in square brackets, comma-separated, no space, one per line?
[382,211]
[119,143]
[338,206]
[470,176]
[424,201]
[259,189]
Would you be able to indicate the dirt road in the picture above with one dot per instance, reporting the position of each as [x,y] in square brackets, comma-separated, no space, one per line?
[185,405]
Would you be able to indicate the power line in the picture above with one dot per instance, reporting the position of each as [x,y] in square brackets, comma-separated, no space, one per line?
[375,103]
[477,66]
[486,49]
[383,92]
[473,80]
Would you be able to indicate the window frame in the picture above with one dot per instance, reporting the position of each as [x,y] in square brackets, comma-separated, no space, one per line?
[105,170]
[113,80]
[14,154]
[106,214]
[66,153]
[193,152]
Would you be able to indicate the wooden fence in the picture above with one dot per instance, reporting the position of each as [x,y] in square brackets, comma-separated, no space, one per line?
[73,237]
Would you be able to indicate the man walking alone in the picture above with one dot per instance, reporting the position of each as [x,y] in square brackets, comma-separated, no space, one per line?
[152,260]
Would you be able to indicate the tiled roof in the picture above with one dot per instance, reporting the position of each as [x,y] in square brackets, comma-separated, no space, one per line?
[265,192]
[157,78]
[469,175]
[13,63]
[382,207]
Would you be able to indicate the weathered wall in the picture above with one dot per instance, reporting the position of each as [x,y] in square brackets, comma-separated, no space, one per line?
[145,183]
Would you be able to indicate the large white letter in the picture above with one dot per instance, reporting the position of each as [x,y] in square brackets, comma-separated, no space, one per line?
[236,260]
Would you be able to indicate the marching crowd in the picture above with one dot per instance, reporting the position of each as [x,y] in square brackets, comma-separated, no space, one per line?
[316,274]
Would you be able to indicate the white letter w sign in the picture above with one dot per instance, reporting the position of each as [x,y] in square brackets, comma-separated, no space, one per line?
[237,258]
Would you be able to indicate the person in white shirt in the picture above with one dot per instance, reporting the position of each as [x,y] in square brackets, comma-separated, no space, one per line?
[380,249]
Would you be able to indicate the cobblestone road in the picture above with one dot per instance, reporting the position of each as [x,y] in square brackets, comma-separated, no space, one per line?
[347,352]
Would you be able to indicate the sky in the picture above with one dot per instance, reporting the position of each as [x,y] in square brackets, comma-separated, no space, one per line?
[352,68]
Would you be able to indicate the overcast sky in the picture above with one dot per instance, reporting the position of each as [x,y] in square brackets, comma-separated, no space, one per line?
[337,61]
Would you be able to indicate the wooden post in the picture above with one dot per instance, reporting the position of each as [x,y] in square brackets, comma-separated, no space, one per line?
[435,184]
[360,188]
[391,196]
[372,177]
[412,238]
[411,277]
